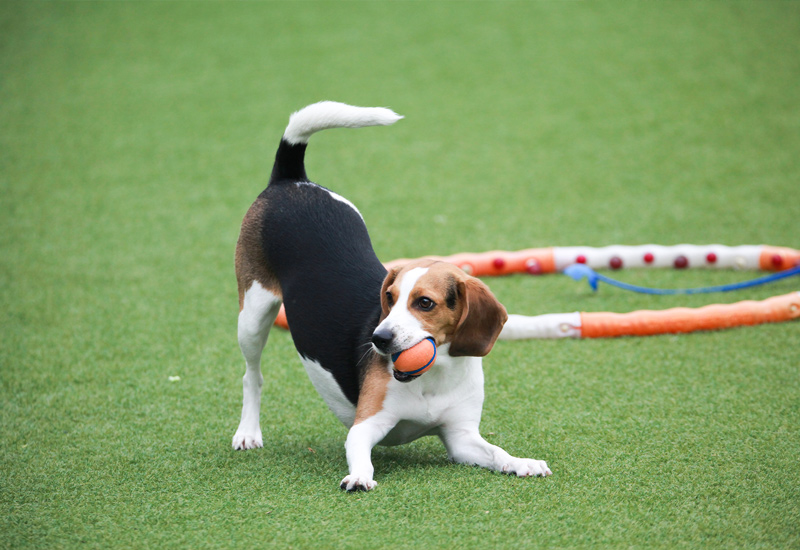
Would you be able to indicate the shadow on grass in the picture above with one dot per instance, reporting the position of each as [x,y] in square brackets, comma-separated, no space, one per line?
[324,458]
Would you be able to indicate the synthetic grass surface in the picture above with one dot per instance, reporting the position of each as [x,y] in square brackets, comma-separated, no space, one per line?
[133,137]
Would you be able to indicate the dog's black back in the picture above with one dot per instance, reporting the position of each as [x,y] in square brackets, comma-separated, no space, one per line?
[318,247]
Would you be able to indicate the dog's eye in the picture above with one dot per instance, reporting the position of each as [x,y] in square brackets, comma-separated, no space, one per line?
[389,299]
[425,303]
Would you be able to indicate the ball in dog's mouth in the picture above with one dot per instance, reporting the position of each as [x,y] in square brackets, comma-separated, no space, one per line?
[414,361]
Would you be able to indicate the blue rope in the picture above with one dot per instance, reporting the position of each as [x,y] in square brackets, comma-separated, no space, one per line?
[579,271]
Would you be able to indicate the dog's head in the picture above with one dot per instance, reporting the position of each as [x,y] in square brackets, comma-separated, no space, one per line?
[425,298]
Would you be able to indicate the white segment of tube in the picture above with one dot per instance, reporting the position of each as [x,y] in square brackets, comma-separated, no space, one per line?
[737,257]
[554,325]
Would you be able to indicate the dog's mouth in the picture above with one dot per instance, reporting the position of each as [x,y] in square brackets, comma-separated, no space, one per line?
[404,376]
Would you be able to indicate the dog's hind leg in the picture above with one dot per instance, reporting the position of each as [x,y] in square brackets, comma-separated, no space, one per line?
[465,446]
[259,309]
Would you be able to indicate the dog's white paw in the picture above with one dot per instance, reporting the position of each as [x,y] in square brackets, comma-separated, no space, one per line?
[527,467]
[243,440]
[357,483]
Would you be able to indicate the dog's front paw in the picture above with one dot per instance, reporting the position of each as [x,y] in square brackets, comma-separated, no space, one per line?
[527,467]
[353,483]
[243,440]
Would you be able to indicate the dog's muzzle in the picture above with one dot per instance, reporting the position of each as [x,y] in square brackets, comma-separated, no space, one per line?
[382,340]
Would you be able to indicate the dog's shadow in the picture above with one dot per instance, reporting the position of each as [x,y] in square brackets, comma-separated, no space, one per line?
[321,460]
[320,457]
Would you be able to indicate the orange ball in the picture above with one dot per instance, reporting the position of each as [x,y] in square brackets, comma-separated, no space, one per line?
[416,359]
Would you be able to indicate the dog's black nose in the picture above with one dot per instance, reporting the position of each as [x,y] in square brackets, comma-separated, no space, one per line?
[382,338]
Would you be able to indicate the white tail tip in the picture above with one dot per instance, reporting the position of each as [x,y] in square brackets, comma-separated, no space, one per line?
[330,114]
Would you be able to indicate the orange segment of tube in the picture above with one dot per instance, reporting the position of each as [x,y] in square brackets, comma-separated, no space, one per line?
[281,319]
[680,320]
[778,258]
[497,262]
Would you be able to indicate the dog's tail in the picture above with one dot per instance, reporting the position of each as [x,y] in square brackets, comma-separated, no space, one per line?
[321,116]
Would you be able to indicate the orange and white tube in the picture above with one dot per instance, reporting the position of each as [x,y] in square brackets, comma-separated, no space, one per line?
[647,323]
[549,260]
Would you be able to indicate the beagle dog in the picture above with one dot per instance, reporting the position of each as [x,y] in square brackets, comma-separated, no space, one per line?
[307,247]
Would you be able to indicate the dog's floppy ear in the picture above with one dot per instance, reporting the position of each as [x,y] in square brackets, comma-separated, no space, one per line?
[482,319]
[387,282]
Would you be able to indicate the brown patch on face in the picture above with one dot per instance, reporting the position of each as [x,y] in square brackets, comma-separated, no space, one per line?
[440,285]
[482,319]
[373,389]
[388,297]
[466,313]
[251,265]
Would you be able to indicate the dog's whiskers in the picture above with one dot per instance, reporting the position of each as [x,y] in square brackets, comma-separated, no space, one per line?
[364,355]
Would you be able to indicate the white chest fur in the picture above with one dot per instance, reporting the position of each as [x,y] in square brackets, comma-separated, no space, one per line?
[451,391]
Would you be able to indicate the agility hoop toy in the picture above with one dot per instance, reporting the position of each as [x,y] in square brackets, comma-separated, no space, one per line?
[538,261]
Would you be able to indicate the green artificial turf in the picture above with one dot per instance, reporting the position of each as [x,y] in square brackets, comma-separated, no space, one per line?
[133,137]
